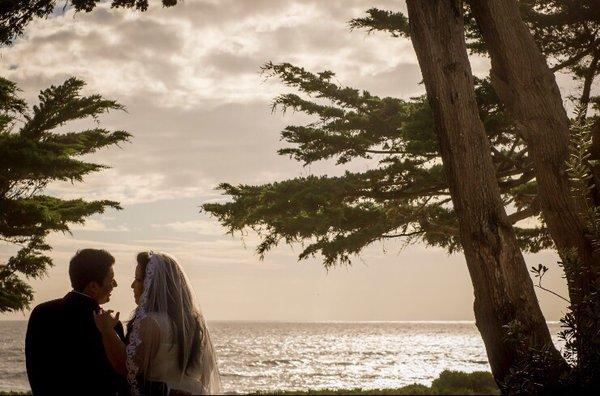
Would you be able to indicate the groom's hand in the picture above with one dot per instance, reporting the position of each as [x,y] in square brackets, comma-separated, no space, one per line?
[105,321]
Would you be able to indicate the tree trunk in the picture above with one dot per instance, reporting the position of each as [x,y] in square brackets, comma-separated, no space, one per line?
[504,292]
[528,89]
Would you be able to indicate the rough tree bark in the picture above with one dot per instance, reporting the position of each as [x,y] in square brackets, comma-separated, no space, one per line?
[503,289]
[528,89]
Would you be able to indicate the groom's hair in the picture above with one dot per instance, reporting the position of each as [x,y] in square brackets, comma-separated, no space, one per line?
[89,265]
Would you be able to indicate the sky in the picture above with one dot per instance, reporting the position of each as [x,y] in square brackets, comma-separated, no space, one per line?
[199,111]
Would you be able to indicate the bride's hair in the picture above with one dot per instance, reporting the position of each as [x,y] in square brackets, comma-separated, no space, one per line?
[180,309]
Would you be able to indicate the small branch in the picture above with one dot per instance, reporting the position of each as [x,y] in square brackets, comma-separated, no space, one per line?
[384,152]
[426,192]
[587,84]
[391,152]
[407,234]
[551,292]
[573,60]
[510,183]
[20,242]
[430,227]
[522,214]
[6,272]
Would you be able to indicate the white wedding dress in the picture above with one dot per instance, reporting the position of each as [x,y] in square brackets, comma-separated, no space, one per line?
[164,366]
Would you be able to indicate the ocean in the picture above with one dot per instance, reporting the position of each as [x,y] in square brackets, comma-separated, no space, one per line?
[265,356]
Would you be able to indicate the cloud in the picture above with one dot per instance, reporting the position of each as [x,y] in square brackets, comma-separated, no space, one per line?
[199,53]
[132,189]
[98,225]
[189,76]
[200,227]
[199,112]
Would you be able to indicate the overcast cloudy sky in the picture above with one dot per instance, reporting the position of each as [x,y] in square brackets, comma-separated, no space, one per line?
[200,114]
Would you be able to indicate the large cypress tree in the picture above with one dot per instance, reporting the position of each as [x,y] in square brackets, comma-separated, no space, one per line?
[407,195]
[504,293]
[526,85]
[355,124]
[35,151]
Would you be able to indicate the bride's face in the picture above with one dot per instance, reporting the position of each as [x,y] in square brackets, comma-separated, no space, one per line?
[138,283]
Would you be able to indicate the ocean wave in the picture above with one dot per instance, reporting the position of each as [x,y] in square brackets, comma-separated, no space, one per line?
[371,353]
[242,375]
[477,361]
[275,362]
[8,375]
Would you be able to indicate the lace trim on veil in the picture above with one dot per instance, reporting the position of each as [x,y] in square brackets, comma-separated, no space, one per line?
[135,338]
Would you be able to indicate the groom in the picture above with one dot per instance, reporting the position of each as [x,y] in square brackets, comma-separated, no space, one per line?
[63,348]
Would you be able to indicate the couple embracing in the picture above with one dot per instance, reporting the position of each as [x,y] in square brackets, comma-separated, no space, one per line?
[73,347]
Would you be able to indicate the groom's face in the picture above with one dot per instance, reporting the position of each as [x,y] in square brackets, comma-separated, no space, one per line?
[105,289]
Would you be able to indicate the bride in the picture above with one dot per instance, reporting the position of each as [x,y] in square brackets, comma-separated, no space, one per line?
[168,350]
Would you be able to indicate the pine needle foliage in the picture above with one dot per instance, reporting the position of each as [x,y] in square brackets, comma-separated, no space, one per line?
[567,32]
[392,22]
[581,322]
[580,170]
[404,196]
[34,153]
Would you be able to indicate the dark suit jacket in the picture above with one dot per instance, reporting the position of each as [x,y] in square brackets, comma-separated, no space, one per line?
[64,351]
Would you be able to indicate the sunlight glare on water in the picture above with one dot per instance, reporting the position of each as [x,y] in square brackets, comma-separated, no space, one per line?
[270,356]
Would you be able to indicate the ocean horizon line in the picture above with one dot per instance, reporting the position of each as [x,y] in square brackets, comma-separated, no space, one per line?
[434,321]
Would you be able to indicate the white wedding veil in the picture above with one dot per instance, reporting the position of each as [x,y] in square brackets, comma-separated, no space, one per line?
[167,295]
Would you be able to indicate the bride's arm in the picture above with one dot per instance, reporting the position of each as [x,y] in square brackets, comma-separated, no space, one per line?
[113,345]
[115,348]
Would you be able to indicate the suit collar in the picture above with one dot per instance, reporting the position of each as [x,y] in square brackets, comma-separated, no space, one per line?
[82,299]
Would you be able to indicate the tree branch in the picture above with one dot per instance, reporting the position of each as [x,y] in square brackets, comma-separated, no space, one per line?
[590,74]
[523,214]
[407,234]
[572,61]
[384,152]
[551,292]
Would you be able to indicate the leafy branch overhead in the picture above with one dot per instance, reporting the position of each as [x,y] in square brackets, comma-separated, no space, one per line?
[404,196]
[15,15]
[567,32]
[392,22]
[34,155]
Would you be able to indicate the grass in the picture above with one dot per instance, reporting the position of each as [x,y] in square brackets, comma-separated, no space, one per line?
[19,393]
[448,383]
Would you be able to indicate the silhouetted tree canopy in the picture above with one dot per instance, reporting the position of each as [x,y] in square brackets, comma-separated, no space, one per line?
[567,32]
[34,153]
[405,196]
[405,193]
[15,15]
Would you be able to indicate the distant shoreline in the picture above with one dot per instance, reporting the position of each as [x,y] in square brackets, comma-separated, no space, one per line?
[326,321]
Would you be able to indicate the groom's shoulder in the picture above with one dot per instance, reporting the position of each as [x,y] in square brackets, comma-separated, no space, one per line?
[48,307]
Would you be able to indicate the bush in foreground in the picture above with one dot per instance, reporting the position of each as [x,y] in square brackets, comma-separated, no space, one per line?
[448,383]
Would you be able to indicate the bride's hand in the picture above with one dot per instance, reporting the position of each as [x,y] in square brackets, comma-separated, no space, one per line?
[105,321]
